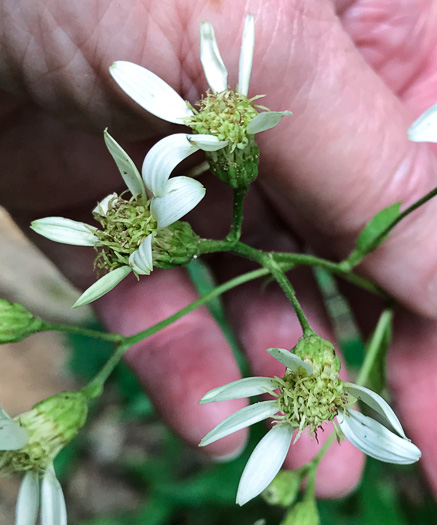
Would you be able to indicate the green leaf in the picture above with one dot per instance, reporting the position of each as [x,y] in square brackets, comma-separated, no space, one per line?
[373,233]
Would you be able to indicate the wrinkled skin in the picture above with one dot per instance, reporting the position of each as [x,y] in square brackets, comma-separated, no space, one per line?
[355,75]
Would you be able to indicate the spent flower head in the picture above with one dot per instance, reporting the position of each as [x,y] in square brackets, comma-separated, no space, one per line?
[136,233]
[308,395]
[28,445]
[228,118]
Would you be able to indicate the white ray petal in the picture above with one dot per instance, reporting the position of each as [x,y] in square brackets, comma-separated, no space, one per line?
[103,205]
[213,66]
[104,285]
[26,512]
[266,120]
[249,386]
[246,55]
[378,404]
[207,142]
[65,231]
[150,91]
[12,436]
[375,440]
[127,168]
[162,160]
[264,463]
[290,360]
[241,419]
[141,260]
[182,195]
[424,129]
[53,509]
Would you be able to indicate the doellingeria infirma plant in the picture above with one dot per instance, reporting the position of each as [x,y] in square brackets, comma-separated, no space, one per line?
[140,230]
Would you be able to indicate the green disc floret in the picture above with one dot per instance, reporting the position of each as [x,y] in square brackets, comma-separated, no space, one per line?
[125,225]
[225,115]
[309,400]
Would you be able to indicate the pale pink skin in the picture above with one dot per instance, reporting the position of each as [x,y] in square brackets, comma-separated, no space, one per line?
[355,75]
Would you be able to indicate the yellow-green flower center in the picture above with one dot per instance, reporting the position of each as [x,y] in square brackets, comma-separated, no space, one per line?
[125,225]
[225,115]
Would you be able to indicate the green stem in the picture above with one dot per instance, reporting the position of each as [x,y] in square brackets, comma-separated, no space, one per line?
[95,386]
[237,219]
[208,297]
[266,260]
[96,334]
[315,463]
[291,260]
[297,259]
[374,346]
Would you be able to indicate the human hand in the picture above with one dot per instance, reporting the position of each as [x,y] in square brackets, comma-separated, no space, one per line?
[347,137]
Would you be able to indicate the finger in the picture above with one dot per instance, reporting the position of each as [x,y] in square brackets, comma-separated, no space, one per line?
[265,319]
[412,375]
[346,155]
[179,364]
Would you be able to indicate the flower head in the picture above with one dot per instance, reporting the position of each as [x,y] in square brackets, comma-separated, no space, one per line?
[309,394]
[224,121]
[29,444]
[129,227]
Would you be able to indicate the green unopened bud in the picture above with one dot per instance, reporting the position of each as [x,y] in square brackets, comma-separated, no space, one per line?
[318,352]
[51,424]
[16,323]
[303,513]
[284,489]
[175,245]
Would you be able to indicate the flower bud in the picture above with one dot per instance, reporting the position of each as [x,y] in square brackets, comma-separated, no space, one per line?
[51,424]
[175,245]
[303,513]
[16,323]
[284,489]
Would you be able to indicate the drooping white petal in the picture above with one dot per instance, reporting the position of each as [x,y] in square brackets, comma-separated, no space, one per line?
[26,512]
[65,231]
[264,463]
[246,55]
[215,71]
[182,195]
[265,120]
[162,160]
[127,168]
[249,386]
[424,129]
[378,404]
[141,260]
[207,142]
[53,509]
[103,205]
[241,419]
[290,360]
[150,91]
[12,436]
[375,440]
[104,285]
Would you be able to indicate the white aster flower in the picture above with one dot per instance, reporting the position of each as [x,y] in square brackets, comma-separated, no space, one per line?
[424,129]
[160,99]
[39,489]
[310,393]
[172,199]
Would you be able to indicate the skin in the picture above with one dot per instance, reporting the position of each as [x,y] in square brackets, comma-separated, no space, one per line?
[355,75]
